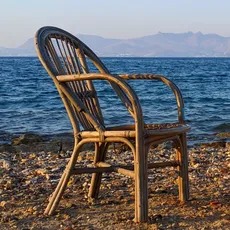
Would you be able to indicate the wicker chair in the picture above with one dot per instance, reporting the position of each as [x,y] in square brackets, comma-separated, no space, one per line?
[66,60]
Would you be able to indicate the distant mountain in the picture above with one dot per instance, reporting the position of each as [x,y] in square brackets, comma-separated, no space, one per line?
[158,45]
[29,44]
[26,49]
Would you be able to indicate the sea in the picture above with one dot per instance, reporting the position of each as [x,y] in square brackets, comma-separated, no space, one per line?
[29,102]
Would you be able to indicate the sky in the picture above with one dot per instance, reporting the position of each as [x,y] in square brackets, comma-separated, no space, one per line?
[20,19]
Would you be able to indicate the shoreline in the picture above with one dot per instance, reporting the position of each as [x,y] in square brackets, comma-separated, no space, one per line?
[27,142]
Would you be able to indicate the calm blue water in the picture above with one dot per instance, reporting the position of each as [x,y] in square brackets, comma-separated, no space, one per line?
[29,101]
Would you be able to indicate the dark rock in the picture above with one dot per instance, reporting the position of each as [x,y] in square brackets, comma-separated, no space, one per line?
[213,144]
[7,148]
[224,134]
[22,148]
[155,218]
[27,139]
[165,145]
[36,143]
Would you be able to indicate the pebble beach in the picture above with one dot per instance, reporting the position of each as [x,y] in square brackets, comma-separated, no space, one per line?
[30,168]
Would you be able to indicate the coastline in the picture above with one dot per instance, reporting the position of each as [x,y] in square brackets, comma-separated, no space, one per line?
[31,169]
[33,142]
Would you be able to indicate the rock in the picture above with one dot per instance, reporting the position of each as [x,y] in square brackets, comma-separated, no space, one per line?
[27,139]
[7,148]
[2,182]
[22,148]
[217,144]
[5,164]
[165,145]
[9,185]
[85,184]
[4,204]
[228,145]
[41,172]
[224,134]
[155,218]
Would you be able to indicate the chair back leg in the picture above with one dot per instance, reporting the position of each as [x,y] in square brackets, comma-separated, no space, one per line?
[100,154]
[183,180]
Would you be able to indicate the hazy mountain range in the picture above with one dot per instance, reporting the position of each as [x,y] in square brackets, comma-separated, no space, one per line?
[158,45]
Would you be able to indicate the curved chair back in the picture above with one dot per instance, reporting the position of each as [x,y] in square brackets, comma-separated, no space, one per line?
[61,53]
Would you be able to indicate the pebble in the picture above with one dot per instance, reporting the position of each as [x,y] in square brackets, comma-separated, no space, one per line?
[5,164]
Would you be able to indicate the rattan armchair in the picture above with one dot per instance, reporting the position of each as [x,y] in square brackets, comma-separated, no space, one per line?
[66,60]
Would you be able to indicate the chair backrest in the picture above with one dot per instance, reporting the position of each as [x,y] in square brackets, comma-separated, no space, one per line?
[62,53]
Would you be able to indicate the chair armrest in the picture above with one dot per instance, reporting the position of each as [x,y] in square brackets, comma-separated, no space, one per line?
[122,88]
[170,84]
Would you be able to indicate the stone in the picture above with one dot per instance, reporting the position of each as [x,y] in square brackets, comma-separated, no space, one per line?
[5,164]
[27,139]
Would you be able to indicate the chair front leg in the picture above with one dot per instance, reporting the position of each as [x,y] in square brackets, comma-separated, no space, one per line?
[182,157]
[100,154]
[141,184]
[56,196]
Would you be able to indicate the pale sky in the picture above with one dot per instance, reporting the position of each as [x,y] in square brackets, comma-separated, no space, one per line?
[20,19]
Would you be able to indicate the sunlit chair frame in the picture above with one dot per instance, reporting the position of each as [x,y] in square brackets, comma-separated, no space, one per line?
[65,58]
